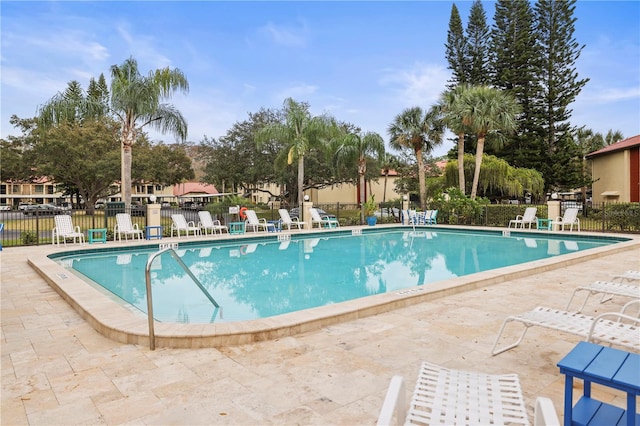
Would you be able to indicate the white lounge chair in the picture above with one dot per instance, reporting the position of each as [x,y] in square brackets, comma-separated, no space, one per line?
[610,327]
[64,229]
[322,221]
[608,289]
[446,397]
[527,218]
[257,224]
[125,227]
[570,218]
[181,225]
[208,223]
[288,221]
[627,276]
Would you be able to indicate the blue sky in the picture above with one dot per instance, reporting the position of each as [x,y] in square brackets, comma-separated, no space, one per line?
[362,62]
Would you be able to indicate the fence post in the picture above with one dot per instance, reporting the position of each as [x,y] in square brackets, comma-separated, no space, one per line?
[604,215]
[37,227]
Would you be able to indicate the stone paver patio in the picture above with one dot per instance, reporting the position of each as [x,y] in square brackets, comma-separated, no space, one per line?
[56,369]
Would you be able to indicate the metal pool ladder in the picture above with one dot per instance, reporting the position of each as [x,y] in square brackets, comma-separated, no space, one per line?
[147,276]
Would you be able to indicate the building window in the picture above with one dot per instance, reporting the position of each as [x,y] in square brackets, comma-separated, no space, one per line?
[50,189]
[3,189]
[39,189]
[16,189]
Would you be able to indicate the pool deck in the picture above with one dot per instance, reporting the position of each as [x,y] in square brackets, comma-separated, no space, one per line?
[57,369]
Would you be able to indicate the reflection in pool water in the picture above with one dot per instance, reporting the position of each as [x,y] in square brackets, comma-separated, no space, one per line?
[259,279]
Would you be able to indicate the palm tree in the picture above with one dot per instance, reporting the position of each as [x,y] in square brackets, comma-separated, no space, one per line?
[389,162]
[419,131]
[356,148]
[612,137]
[450,106]
[299,132]
[489,111]
[135,103]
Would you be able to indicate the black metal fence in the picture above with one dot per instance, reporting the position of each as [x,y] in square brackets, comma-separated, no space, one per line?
[35,228]
[594,217]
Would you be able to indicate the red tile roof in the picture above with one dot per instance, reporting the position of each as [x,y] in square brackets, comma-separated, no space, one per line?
[193,188]
[618,146]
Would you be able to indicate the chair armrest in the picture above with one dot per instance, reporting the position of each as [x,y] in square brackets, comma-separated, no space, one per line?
[613,316]
[628,305]
[394,403]
[135,226]
[191,223]
[544,413]
[77,229]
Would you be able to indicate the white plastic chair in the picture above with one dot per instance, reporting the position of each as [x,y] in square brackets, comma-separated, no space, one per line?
[610,327]
[181,225]
[528,217]
[570,218]
[446,397]
[322,221]
[125,226]
[288,221]
[431,217]
[207,223]
[64,229]
[257,224]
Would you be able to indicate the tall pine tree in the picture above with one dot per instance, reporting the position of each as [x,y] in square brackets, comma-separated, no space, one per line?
[478,40]
[513,59]
[455,50]
[557,52]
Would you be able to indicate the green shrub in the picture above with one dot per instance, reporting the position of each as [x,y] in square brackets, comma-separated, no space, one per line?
[455,208]
[28,238]
[625,216]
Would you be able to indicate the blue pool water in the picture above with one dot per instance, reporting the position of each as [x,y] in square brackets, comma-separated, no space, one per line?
[263,278]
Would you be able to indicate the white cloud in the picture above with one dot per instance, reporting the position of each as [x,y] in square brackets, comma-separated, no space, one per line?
[611,94]
[286,36]
[142,48]
[296,92]
[419,85]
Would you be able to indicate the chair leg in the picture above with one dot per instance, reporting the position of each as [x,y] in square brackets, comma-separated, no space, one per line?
[513,345]
[394,403]
[589,293]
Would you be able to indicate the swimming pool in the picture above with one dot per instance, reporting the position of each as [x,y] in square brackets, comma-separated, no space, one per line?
[262,278]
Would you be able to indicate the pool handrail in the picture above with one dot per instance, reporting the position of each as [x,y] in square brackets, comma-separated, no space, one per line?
[147,276]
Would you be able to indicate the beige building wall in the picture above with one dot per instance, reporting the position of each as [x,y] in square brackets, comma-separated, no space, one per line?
[348,193]
[264,197]
[610,174]
[35,193]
